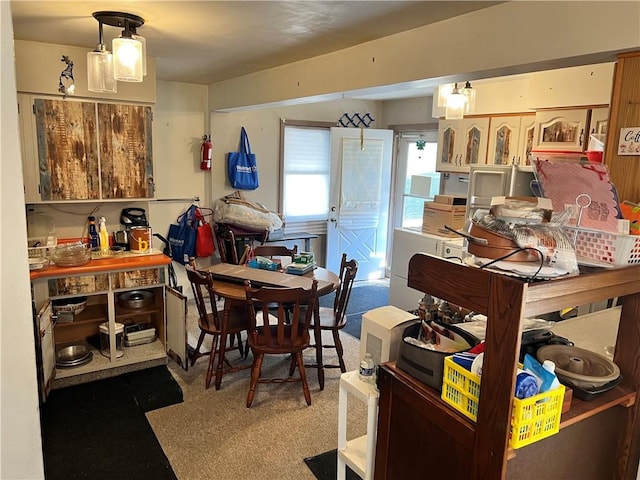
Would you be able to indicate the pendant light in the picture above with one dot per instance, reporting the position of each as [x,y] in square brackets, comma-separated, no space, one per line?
[100,67]
[143,41]
[128,58]
[470,98]
[455,105]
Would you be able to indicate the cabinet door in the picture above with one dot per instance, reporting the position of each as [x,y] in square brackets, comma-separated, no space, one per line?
[125,151]
[67,149]
[448,149]
[599,120]
[503,140]
[176,320]
[561,130]
[525,139]
[475,134]
[45,350]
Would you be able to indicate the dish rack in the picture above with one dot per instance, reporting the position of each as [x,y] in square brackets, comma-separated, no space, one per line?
[532,418]
[597,247]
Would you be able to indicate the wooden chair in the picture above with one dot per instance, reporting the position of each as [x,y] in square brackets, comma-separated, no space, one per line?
[334,319]
[210,322]
[272,335]
[226,244]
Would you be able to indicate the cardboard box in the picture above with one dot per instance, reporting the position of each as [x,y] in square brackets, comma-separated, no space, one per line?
[437,215]
[450,199]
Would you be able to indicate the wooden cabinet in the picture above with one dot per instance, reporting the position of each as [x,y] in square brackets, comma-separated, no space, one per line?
[462,143]
[419,435]
[102,289]
[82,150]
[561,130]
[510,139]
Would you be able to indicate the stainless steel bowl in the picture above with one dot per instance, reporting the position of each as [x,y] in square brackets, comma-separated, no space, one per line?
[135,299]
[69,305]
[73,356]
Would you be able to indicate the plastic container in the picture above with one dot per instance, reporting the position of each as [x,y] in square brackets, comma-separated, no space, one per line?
[598,247]
[105,343]
[532,418]
[367,368]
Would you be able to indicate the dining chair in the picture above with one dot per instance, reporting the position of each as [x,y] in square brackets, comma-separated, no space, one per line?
[270,334]
[334,318]
[226,244]
[211,323]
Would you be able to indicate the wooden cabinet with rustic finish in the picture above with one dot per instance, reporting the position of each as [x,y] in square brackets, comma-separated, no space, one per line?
[82,150]
[420,436]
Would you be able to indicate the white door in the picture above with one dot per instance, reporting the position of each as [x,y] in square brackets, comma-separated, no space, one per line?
[359,199]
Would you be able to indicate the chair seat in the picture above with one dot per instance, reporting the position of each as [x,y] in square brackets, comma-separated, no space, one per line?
[328,320]
[238,321]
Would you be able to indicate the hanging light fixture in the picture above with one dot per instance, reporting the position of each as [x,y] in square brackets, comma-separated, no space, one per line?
[470,98]
[141,39]
[100,68]
[455,105]
[128,56]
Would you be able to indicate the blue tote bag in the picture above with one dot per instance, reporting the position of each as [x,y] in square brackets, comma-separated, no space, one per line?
[182,236]
[242,167]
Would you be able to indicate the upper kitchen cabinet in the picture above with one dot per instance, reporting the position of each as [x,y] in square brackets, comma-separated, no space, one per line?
[82,150]
[462,143]
[510,139]
[561,130]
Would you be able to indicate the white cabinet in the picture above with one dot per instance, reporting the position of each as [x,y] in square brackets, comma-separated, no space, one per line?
[462,143]
[101,290]
[510,139]
[358,453]
[561,130]
[45,350]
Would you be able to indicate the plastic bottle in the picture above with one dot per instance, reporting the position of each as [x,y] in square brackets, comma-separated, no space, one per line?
[367,368]
[93,233]
[104,235]
[550,367]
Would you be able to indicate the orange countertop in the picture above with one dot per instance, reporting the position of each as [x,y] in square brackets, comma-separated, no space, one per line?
[126,261]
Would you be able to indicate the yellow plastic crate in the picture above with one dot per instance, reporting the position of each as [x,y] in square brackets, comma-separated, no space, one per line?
[532,419]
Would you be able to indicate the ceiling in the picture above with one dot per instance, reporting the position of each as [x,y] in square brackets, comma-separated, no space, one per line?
[205,42]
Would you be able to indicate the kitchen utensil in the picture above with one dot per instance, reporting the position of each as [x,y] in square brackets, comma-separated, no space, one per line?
[69,305]
[71,254]
[579,367]
[133,217]
[121,239]
[136,299]
[73,356]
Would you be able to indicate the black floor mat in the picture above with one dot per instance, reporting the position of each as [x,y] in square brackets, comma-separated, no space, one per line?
[98,430]
[325,466]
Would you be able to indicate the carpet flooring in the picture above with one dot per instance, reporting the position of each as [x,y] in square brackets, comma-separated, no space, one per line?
[365,296]
[98,430]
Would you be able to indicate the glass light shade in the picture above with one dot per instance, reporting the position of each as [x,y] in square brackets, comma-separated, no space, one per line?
[127,59]
[455,106]
[443,93]
[470,98]
[144,52]
[100,72]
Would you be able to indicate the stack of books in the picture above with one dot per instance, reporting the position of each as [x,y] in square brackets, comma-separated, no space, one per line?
[300,268]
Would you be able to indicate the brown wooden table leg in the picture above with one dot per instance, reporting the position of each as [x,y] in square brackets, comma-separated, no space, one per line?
[223,343]
[317,331]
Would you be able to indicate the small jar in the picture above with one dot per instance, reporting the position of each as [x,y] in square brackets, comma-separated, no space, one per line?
[104,340]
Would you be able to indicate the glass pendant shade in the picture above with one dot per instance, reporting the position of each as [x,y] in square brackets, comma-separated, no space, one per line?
[443,93]
[127,59]
[143,41]
[470,98]
[100,71]
[455,105]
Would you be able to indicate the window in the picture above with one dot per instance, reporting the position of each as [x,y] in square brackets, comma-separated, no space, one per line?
[306,167]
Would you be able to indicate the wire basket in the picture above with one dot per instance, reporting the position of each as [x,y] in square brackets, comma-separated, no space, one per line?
[532,418]
[598,247]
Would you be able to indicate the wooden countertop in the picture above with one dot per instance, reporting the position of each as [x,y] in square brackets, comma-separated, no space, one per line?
[126,261]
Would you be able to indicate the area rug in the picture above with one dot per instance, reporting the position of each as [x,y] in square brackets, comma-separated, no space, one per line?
[364,297]
[98,430]
[325,466]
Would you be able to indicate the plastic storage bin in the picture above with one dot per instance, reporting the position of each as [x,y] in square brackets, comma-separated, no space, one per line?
[599,247]
[105,343]
[532,419]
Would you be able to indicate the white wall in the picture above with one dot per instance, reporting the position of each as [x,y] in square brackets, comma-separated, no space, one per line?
[20,443]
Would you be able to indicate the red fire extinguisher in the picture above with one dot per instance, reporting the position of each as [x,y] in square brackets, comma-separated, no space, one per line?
[206,149]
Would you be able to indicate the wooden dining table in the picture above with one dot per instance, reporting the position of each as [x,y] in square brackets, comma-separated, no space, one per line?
[229,284]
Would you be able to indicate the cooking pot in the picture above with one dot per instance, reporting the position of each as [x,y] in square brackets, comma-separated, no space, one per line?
[498,246]
[135,299]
